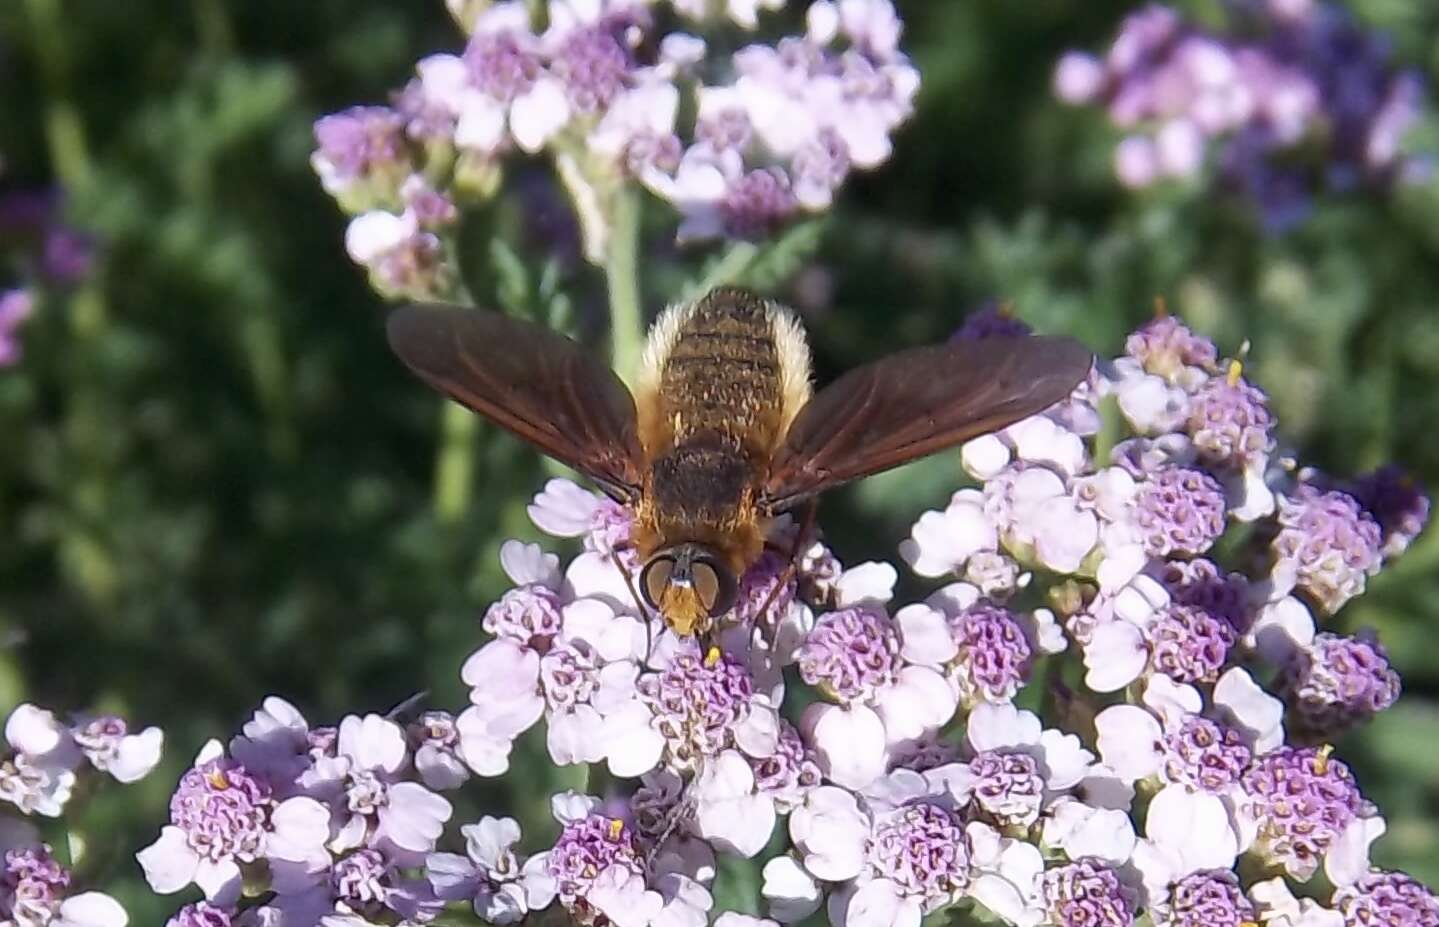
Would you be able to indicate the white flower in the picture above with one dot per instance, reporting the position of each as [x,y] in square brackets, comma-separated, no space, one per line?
[941,542]
[730,813]
[90,909]
[790,891]
[502,889]
[1277,907]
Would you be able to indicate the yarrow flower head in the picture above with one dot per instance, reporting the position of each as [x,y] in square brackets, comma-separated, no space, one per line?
[1088,893]
[1190,645]
[1397,501]
[699,702]
[1302,801]
[1208,898]
[850,654]
[1167,348]
[1327,546]
[1180,511]
[1337,682]
[1386,898]
[1230,422]
[922,848]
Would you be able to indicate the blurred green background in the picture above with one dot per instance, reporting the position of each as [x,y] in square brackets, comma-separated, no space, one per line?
[215,482]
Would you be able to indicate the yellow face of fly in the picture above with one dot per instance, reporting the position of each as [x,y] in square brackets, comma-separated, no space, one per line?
[684,611]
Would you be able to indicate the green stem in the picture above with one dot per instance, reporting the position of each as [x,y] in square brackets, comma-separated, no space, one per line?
[454,462]
[727,269]
[454,477]
[622,275]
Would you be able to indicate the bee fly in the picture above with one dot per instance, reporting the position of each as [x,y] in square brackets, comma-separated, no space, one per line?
[722,432]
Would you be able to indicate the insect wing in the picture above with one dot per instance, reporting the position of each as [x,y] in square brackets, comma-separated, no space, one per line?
[530,380]
[917,402]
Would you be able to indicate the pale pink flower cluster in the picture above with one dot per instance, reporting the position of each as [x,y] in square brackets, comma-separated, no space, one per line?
[738,144]
[39,770]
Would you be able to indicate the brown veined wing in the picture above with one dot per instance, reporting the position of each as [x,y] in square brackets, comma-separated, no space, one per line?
[917,402]
[529,380]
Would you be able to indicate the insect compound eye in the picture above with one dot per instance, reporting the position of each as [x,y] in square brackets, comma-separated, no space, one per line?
[656,579]
[716,587]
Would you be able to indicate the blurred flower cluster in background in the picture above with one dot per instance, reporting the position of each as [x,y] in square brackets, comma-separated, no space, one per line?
[1165,649]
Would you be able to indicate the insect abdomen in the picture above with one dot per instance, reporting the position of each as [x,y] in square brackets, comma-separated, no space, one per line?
[722,374]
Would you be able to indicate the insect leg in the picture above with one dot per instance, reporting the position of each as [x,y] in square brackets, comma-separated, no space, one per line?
[806,528]
[639,603]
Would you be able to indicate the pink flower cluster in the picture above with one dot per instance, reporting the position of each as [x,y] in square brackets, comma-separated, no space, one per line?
[1285,76]
[739,144]
[38,774]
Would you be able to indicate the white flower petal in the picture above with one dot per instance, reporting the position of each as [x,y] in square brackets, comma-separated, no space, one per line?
[1115,656]
[90,909]
[1129,741]
[848,743]
[791,892]
[1195,825]
[1250,709]
[169,863]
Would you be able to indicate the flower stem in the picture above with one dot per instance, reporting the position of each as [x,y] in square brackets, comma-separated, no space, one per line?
[622,275]
[454,462]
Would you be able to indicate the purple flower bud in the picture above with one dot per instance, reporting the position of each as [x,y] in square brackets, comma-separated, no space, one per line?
[1230,423]
[1301,800]
[1398,502]
[32,885]
[569,675]
[1165,346]
[1390,899]
[1204,755]
[850,654]
[1198,583]
[924,849]
[1208,898]
[1328,542]
[1337,682]
[357,142]
[595,66]
[757,204]
[789,773]
[1007,787]
[223,810]
[697,702]
[728,129]
[995,655]
[15,307]
[1189,645]
[1180,511]
[201,914]
[993,320]
[500,65]
[360,881]
[1087,893]
[529,614]
[67,256]
[586,848]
